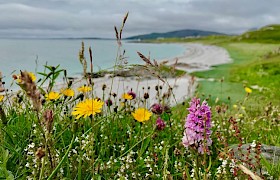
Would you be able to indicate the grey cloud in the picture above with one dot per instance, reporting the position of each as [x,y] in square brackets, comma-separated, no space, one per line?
[78,18]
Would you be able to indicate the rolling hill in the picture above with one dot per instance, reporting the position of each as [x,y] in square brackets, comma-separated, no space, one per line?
[175,34]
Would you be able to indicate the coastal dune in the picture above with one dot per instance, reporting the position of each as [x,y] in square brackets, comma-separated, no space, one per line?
[197,57]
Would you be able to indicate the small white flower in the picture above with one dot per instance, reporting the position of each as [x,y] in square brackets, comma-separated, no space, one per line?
[30,153]
[32,145]
[76,139]
[61,170]
[253,145]
[27,165]
[219,170]
[224,163]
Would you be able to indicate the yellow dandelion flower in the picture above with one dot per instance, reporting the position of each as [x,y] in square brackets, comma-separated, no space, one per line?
[52,96]
[87,107]
[84,89]
[68,92]
[1,98]
[31,74]
[141,114]
[127,96]
[248,90]
[235,106]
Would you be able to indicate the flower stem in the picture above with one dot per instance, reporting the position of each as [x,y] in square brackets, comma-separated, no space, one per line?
[62,160]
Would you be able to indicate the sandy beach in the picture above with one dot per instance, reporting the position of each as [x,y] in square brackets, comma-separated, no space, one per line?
[197,57]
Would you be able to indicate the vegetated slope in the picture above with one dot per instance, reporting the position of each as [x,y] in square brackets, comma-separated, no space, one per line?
[176,34]
[256,65]
[267,34]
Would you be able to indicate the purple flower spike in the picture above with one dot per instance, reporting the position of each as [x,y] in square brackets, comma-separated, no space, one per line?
[160,124]
[197,127]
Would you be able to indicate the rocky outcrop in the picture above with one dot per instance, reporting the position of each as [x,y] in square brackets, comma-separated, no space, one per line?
[270,153]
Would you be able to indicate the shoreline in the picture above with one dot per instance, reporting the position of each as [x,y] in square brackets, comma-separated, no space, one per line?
[197,57]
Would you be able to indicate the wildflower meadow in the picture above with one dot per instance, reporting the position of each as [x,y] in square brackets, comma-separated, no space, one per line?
[51,131]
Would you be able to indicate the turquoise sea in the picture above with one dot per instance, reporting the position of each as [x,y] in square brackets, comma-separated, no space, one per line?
[32,54]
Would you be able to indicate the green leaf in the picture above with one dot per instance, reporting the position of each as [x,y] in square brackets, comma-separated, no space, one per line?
[144,146]
[43,74]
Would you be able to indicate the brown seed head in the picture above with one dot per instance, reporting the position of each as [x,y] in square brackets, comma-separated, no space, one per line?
[146,95]
[104,87]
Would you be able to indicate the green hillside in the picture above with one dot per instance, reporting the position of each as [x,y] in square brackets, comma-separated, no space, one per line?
[266,34]
[270,33]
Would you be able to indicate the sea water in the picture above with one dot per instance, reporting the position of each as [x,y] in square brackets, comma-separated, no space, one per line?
[32,54]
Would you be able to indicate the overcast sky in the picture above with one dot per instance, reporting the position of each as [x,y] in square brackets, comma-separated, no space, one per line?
[96,18]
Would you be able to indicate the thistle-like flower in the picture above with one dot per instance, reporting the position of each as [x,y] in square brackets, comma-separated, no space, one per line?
[197,127]
[157,108]
[109,102]
[160,124]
